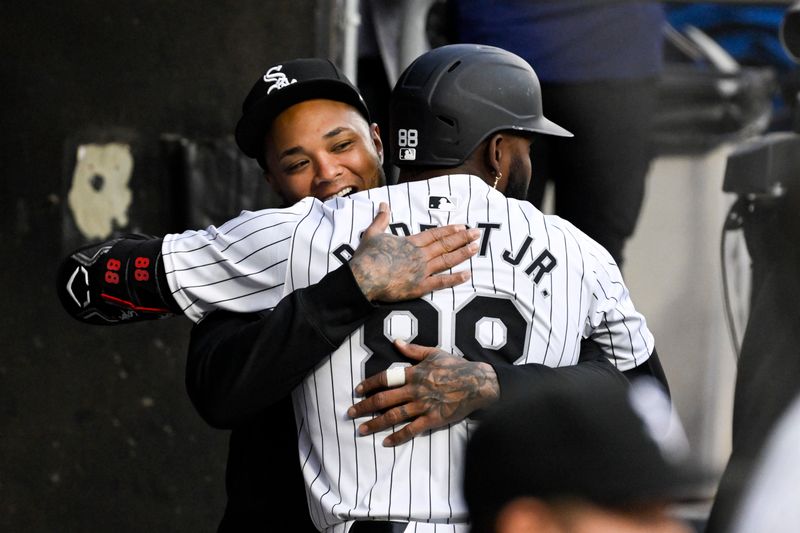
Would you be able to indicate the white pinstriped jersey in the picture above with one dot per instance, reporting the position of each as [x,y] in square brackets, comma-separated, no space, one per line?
[538,286]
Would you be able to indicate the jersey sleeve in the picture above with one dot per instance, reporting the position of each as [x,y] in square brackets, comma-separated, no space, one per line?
[612,320]
[239,266]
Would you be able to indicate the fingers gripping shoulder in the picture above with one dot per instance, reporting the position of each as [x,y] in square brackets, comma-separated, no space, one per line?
[116,281]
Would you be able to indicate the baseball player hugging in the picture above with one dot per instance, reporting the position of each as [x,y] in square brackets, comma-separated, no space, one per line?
[538,286]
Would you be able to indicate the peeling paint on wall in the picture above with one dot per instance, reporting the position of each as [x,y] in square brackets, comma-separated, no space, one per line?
[100,196]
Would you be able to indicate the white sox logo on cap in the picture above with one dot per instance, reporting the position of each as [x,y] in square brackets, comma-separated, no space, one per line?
[278,78]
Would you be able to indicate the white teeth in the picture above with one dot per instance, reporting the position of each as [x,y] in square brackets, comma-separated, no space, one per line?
[343,192]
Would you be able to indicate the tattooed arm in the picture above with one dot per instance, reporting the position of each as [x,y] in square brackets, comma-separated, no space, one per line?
[239,364]
[443,388]
[389,268]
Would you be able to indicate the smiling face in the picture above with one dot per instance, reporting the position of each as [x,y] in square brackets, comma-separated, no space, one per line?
[322,148]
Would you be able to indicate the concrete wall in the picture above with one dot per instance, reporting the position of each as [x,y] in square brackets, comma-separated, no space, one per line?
[674,273]
[96,430]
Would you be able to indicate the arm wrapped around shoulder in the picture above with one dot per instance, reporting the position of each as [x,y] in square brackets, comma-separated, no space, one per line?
[116,281]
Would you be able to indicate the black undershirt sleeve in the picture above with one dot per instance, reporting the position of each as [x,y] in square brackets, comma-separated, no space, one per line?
[239,364]
[593,365]
[651,368]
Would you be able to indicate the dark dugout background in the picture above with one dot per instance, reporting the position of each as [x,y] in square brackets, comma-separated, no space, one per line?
[96,430]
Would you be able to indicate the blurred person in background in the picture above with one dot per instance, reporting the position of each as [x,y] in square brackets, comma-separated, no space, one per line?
[750,34]
[768,369]
[598,63]
[596,458]
[770,501]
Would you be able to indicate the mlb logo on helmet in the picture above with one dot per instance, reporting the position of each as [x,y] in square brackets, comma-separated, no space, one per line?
[408,154]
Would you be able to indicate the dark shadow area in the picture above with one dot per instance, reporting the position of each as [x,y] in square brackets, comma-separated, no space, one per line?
[96,430]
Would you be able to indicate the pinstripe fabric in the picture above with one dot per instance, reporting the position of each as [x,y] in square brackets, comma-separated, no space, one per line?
[412,527]
[538,287]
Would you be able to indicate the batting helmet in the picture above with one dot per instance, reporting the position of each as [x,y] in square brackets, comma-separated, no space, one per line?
[453,97]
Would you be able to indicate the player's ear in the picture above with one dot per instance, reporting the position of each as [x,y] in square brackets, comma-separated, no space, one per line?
[375,134]
[274,183]
[268,175]
[270,178]
[494,153]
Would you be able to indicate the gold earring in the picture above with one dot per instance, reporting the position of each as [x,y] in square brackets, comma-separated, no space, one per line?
[497,178]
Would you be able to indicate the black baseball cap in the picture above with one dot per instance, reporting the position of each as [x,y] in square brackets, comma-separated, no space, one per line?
[603,443]
[283,85]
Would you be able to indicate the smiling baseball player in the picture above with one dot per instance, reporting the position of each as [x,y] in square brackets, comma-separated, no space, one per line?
[538,285]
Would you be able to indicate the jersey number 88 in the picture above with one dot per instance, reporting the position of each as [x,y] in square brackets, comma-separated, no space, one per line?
[488,329]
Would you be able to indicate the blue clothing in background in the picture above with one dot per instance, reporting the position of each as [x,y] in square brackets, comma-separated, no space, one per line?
[598,62]
[595,47]
[749,33]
